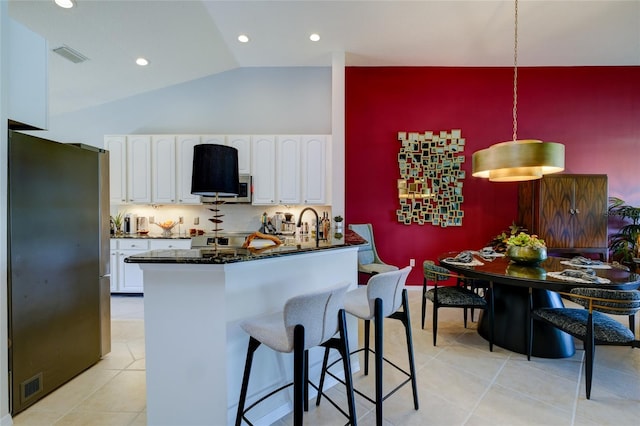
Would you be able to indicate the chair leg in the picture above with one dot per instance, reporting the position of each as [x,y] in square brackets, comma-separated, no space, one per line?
[367,328]
[407,327]
[298,374]
[435,321]
[491,316]
[529,334]
[589,347]
[378,358]
[253,345]
[464,316]
[424,300]
[632,323]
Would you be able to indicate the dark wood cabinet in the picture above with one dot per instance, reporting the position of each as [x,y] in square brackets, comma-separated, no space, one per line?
[568,211]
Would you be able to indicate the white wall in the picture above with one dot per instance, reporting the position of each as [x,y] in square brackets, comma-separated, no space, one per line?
[241,101]
[5,418]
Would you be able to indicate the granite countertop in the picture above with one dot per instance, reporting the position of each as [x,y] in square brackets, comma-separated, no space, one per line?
[225,255]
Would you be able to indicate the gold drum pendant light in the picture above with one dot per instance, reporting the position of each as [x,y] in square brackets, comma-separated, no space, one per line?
[518,160]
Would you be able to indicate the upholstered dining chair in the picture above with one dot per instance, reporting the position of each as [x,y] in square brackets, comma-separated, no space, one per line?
[458,296]
[592,325]
[368,260]
[381,298]
[309,320]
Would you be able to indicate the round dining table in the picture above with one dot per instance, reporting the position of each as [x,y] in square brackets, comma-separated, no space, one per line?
[511,284]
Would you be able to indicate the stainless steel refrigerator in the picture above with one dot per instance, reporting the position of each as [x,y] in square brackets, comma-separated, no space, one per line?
[58,262]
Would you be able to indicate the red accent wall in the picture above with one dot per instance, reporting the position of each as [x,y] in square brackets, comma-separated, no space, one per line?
[593,111]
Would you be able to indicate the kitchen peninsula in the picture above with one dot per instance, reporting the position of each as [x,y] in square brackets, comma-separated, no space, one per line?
[194,301]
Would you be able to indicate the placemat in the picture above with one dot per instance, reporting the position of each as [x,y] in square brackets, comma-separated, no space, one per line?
[560,276]
[579,265]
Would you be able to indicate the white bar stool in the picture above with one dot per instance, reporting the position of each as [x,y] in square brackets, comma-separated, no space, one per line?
[380,298]
[308,320]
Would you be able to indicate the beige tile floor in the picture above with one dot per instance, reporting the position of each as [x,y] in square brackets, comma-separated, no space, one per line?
[459,382]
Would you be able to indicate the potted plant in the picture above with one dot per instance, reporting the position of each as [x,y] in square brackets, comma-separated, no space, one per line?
[526,249]
[117,222]
[625,243]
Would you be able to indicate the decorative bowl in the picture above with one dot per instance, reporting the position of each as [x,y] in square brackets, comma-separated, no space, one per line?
[167,226]
[526,255]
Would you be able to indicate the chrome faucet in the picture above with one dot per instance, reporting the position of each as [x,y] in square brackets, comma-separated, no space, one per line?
[317,223]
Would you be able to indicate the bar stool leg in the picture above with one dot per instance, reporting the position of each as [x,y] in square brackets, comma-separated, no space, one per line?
[346,361]
[378,318]
[298,374]
[367,328]
[406,320]
[253,345]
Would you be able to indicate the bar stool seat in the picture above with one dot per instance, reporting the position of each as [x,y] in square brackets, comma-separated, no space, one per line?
[380,298]
[308,320]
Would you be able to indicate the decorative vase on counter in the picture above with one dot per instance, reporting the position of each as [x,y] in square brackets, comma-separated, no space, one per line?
[526,255]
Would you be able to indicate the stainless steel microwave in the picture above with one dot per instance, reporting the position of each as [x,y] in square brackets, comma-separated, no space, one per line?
[245,190]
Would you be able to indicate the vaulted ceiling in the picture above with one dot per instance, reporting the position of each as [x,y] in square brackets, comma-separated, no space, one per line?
[186,40]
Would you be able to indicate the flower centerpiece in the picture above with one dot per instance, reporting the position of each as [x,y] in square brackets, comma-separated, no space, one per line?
[526,249]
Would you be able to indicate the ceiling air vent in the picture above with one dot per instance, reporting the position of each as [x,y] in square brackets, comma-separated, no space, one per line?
[70,54]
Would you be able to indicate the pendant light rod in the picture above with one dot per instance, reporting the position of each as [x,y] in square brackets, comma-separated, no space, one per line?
[515,74]
[519,160]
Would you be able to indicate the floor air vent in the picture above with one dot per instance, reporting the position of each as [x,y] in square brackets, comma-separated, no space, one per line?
[30,388]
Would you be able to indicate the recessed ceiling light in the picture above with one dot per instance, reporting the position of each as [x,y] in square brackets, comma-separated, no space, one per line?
[243,38]
[314,37]
[66,4]
[142,62]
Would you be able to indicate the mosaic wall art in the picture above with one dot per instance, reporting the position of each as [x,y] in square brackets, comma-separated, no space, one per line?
[430,184]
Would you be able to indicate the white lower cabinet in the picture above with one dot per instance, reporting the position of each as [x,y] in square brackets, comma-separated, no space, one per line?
[127,277]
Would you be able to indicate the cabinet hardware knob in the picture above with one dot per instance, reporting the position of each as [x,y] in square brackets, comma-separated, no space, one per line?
[577,211]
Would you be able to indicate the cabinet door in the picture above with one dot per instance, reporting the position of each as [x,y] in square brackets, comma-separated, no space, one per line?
[117,147]
[589,213]
[288,169]
[244,145]
[163,169]
[314,169]
[264,169]
[130,273]
[115,268]
[556,201]
[214,139]
[184,168]
[139,169]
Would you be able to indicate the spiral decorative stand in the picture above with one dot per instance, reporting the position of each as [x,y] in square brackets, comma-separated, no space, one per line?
[216,221]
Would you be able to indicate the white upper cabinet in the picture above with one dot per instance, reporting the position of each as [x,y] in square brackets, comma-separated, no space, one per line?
[314,169]
[117,147]
[139,169]
[163,169]
[263,169]
[288,169]
[214,139]
[244,146]
[184,168]
[27,86]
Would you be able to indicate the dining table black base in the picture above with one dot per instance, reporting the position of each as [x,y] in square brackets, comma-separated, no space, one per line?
[510,323]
